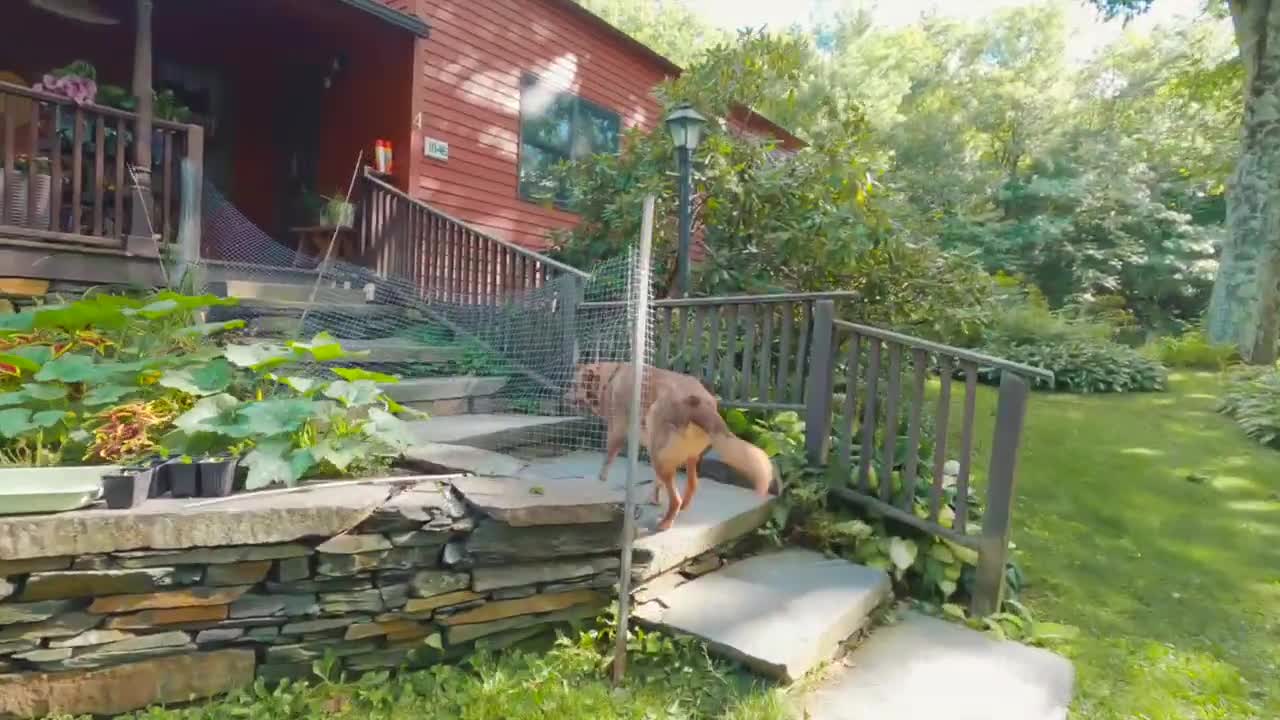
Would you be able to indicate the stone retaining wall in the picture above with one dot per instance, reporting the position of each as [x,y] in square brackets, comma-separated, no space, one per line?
[102,612]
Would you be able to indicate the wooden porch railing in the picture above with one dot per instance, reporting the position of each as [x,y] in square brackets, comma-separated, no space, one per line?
[442,257]
[66,172]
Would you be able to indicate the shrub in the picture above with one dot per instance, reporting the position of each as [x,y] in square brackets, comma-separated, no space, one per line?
[1083,366]
[1076,347]
[1193,350]
[1252,399]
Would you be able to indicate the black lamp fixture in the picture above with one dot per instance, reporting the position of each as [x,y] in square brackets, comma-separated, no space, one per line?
[685,125]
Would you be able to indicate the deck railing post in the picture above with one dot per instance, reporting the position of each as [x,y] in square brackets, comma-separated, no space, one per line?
[817,396]
[187,248]
[1011,410]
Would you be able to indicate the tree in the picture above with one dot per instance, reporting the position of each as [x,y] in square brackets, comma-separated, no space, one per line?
[668,26]
[1245,306]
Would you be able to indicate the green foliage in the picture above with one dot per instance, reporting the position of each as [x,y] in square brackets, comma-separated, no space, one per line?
[1252,399]
[1192,349]
[667,679]
[1077,349]
[110,378]
[1084,367]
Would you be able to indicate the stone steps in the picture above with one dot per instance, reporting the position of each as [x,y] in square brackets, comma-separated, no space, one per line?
[444,395]
[496,431]
[254,291]
[923,667]
[781,614]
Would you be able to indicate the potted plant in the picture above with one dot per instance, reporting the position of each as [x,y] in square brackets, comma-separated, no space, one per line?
[181,476]
[337,213]
[217,476]
[125,489]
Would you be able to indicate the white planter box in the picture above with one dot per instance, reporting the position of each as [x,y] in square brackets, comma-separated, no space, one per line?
[50,489]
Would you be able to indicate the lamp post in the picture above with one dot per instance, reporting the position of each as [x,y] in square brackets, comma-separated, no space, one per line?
[685,125]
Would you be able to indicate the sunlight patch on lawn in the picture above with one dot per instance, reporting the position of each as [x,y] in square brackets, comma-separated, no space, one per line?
[1147,452]
[1232,482]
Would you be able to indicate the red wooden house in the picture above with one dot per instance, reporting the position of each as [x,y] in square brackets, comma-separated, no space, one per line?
[475,97]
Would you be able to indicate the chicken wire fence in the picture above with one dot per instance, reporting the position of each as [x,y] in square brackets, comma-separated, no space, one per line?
[513,355]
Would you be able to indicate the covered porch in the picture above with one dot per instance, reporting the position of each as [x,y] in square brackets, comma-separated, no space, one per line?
[264,103]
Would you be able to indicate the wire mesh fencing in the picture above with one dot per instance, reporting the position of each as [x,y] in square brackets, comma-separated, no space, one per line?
[509,353]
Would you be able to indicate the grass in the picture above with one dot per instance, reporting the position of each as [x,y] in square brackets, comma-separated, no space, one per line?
[1151,523]
[666,679]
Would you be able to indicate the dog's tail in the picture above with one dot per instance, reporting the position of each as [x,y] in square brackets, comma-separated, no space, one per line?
[738,454]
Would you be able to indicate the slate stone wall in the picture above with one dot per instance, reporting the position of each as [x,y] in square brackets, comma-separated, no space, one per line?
[419,580]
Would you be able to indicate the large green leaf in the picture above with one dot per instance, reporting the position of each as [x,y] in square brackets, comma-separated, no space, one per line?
[355,374]
[389,429]
[273,417]
[45,391]
[32,356]
[21,363]
[902,552]
[107,394]
[49,418]
[69,368]
[323,348]
[169,303]
[14,422]
[274,462]
[212,328]
[212,377]
[303,385]
[209,414]
[18,322]
[17,397]
[258,356]
[353,394]
[340,451]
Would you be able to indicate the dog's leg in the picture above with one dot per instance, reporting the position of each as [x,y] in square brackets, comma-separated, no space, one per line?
[668,478]
[657,493]
[691,482]
[613,446]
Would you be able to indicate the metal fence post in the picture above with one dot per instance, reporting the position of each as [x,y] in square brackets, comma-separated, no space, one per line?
[821,383]
[1011,411]
[570,297]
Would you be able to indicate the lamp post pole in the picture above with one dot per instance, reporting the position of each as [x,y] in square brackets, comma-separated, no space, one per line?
[686,221]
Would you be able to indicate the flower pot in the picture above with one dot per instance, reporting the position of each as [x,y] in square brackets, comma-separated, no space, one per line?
[182,478]
[125,490]
[217,477]
[338,215]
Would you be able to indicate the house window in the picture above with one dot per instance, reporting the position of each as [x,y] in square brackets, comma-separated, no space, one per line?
[556,126]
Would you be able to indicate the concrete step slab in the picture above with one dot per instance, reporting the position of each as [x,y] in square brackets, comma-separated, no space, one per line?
[400,350]
[495,431]
[780,614]
[298,292]
[719,514]
[923,667]
[442,388]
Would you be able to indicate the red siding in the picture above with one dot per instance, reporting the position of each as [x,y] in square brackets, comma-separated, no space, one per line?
[468,95]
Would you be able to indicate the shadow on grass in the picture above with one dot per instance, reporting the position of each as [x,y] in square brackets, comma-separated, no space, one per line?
[1149,522]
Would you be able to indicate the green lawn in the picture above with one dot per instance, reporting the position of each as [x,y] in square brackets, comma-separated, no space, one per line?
[1173,582]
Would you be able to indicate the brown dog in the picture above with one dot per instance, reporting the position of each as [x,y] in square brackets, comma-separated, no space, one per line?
[679,420]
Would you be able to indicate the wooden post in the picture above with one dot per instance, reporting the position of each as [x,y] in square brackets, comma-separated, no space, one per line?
[1011,410]
[817,419]
[143,218]
[191,211]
